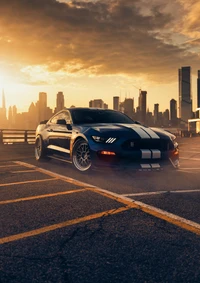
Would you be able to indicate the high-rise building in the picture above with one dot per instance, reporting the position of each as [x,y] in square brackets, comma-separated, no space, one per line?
[42,106]
[3,118]
[165,121]
[128,105]
[185,99]
[14,111]
[60,101]
[142,105]
[116,103]
[173,112]
[10,117]
[156,114]
[96,103]
[3,100]
[198,89]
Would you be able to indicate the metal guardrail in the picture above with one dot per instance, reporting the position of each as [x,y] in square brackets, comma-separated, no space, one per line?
[13,136]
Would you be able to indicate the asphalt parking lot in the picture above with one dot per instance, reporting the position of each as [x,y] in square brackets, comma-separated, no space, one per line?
[62,226]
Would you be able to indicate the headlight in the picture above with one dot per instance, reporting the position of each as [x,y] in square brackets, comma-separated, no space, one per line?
[173,138]
[103,140]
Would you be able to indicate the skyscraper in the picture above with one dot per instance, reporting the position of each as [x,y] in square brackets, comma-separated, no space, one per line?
[116,103]
[185,100]
[96,103]
[60,101]
[156,113]
[173,112]
[198,89]
[142,105]
[129,106]
[42,106]
[3,118]
[3,100]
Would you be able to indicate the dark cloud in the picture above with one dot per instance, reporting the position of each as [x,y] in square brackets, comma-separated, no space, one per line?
[107,37]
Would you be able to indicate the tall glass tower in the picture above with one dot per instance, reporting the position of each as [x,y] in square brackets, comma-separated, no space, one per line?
[198,90]
[185,98]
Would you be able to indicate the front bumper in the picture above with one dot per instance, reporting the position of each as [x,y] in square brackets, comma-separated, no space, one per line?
[167,159]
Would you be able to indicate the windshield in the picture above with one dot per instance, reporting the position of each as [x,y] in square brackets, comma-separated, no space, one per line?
[94,116]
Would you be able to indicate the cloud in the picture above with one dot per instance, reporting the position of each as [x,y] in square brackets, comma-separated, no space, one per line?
[98,37]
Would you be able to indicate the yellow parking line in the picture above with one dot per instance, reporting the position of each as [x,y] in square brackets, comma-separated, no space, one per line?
[41,196]
[170,217]
[156,212]
[28,182]
[49,173]
[23,171]
[61,225]
[63,178]
[159,213]
[9,165]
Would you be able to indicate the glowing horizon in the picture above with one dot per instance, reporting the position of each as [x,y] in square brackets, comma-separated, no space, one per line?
[106,49]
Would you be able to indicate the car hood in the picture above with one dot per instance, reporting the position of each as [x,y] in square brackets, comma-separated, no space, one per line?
[120,130]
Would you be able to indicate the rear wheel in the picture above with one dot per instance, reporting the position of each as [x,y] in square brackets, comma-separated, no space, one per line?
[81,158]
[39,149]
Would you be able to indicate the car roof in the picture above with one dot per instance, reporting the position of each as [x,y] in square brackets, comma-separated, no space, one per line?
[88,108]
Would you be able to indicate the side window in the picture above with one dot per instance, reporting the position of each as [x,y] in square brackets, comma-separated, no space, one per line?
[54,119]
[63,115]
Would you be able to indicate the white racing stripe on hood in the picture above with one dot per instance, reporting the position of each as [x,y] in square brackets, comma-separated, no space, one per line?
[141,132]
[151,133]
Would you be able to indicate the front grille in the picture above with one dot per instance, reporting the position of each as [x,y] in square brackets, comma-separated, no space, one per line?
[160,144]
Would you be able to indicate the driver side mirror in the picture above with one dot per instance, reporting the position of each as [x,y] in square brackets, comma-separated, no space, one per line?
[61,122]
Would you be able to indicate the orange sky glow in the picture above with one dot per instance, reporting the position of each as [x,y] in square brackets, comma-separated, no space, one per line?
[97,49]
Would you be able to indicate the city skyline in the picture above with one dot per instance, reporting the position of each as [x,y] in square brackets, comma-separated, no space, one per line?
[40,111]
[188,103]
[96,49]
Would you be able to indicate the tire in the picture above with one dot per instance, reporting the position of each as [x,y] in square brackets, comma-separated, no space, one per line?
[81,157]
[40,153]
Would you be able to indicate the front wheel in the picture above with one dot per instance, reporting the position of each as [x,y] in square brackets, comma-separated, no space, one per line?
[81,158]
[39,149]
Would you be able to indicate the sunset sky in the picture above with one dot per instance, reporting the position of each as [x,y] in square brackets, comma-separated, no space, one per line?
[97,49]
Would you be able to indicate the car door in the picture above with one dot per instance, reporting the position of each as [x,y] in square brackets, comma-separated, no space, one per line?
[59,134]
[64,131]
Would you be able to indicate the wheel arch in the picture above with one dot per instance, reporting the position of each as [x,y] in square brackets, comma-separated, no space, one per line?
[80,137]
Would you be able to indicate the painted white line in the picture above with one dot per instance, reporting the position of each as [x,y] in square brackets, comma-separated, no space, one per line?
[160,192]
[188,172]
[185,191]
[156,212]
[144,194]
[195,152]
[194,168]
[190,158]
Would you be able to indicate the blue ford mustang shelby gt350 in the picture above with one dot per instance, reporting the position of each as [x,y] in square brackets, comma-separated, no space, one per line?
[89,137]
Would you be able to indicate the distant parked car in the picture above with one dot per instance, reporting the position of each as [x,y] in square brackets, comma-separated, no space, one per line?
[90,137]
